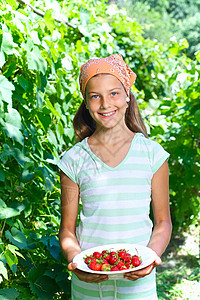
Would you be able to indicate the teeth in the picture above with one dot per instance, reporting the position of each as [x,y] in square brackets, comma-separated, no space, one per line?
[109,114]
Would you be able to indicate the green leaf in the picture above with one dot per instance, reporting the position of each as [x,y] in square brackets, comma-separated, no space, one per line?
[184,43]
[35,273]
[67,63]
[6,88]
[7,42]
[13,117]
[3,270]
[45,288]
[12,3]
[2,175]
[36,61]
[47,177]
[2,59]
[14,249]
[24,83]
[35,37]
[10,258]
[40,98]
[49,20]
[2,204]
[50,106]
[11,211]
[13,125]
[8,294]
[198,55]
[28,209]
[17,238]
[20,157]
[14,133]
[52,138]
[69,132]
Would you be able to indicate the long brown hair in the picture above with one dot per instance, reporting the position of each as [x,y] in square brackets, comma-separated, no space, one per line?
[85,126]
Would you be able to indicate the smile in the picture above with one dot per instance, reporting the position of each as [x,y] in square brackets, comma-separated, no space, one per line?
[106,115]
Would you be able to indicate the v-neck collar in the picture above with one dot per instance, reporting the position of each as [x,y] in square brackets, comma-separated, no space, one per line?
[104,164]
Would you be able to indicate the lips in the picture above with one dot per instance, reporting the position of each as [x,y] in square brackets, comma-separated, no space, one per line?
[108,114]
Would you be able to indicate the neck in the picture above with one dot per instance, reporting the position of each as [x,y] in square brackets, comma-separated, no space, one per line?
[112,136]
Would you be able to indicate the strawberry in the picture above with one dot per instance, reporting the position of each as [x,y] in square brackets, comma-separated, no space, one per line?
[92,265]
[121,254]
[106,256]
[127,257]
[113,253]
[113,260]
[105,267]
[96,254]
[88,260]
[128,264]
[135,261]
[97,267]
[120,264]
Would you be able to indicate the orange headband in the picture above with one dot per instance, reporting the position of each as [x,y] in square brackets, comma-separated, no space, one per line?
[113,65]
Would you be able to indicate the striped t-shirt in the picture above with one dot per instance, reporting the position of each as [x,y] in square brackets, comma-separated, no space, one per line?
[115,209]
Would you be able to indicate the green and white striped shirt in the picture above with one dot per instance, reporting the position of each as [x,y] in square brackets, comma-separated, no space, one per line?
[115,208]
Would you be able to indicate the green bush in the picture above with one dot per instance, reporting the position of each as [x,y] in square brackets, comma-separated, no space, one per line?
[40,60]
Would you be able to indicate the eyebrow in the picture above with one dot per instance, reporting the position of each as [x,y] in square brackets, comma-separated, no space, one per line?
[116,88]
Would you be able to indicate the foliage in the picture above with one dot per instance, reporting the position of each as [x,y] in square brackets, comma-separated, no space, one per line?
[40,61]
[178,9]
[178,276]
[179,115]
[189,28]
[163,19]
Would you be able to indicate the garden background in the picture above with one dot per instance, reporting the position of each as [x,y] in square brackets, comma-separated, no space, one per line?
[42,46]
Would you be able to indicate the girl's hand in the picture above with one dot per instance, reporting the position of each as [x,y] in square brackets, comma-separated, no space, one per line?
[134,275]
[85,276]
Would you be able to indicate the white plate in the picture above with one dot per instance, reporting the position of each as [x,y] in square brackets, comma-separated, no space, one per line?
[147,255]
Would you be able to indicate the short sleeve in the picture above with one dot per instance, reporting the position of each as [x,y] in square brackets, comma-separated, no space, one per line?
[158,156]
[68,166]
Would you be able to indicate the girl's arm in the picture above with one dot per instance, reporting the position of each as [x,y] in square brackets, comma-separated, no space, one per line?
[162,221]
[67,233]
[160,202]
[69,213]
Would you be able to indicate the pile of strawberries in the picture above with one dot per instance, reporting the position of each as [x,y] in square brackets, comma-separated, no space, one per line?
[108,260]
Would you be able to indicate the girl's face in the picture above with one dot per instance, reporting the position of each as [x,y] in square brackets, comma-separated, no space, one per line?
[106,101]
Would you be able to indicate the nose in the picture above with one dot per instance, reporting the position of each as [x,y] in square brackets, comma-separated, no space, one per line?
[104,102]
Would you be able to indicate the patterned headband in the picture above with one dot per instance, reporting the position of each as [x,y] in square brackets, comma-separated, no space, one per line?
[113,65]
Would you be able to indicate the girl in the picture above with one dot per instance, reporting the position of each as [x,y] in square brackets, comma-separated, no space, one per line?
[116,171]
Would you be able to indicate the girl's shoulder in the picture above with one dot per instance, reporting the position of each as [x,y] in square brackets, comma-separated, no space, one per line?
[69,161]
[147,147]
[146,142]
[75,149]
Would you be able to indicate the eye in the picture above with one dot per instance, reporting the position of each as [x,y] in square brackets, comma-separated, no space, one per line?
[94,97]
[114,93]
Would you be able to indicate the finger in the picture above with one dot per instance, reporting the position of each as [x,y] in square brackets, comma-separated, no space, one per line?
[157,261]
[72,266]
[141,273]
[96,279]
[101,279]
[131,277]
